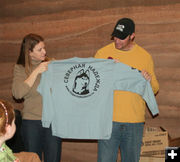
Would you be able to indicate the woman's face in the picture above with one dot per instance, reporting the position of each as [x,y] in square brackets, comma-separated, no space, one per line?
[39,52]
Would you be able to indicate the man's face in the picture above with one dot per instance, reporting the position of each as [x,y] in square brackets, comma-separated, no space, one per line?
[122,44]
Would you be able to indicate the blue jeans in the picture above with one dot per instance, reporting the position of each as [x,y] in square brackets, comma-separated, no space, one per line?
[40,140]
[127,137]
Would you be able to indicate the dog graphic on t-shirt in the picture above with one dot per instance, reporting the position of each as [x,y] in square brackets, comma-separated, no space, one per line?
[81,82]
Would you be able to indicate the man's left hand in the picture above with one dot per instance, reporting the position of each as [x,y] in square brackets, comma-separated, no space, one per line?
[146,75]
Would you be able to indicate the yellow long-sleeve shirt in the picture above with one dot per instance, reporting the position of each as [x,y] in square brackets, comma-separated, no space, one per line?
[130,107]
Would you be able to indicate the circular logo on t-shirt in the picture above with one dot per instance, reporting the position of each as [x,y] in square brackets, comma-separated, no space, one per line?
[82,80]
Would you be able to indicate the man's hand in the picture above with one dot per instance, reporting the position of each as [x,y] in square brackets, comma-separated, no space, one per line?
[146,75]
[116,60]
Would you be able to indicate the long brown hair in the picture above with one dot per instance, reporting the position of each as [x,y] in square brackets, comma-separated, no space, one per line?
[27,45]
[7,115]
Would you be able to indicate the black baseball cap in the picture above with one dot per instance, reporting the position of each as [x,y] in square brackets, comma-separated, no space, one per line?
[123,28]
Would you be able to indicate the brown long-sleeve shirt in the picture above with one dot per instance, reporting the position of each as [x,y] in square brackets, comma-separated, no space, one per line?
[32,99]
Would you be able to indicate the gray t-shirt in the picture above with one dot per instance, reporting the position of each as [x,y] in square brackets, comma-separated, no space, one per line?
[78,95]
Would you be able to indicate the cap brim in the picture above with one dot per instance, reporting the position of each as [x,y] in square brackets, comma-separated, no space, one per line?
[118,35]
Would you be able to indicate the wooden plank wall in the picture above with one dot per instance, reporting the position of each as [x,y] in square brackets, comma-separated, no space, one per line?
[79,28]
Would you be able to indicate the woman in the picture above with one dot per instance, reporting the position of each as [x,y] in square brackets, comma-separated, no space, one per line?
[31,63]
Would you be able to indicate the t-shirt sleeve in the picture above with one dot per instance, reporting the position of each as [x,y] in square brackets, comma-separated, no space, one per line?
[127,78]
[45,89]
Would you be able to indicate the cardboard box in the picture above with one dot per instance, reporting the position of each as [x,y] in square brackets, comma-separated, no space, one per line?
[151,159]
[155,140]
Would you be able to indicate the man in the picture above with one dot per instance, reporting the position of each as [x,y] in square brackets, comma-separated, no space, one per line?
[129,108]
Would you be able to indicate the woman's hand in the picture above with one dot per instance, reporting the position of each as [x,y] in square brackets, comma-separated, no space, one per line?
[42,67]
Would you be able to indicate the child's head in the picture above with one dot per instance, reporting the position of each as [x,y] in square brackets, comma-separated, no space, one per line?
[7,117]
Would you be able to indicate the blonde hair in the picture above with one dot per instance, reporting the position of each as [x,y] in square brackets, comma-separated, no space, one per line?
[7,115]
